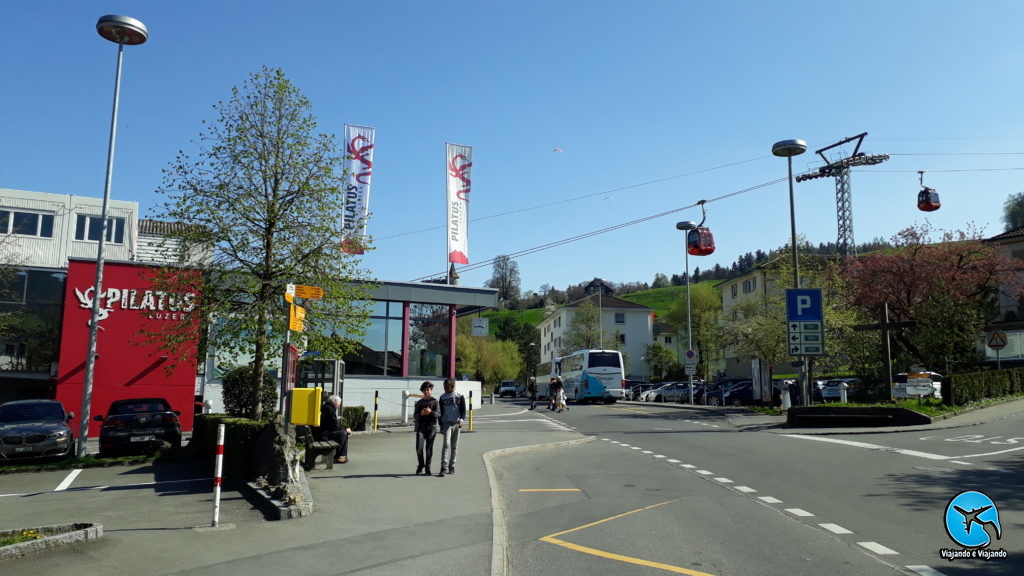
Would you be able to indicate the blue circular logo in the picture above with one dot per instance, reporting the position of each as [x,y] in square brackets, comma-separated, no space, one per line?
[969,515]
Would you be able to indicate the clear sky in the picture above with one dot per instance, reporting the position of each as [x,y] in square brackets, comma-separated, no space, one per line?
[653,105]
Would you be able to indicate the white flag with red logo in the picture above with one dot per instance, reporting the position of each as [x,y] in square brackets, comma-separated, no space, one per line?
[459,161]
[358,168]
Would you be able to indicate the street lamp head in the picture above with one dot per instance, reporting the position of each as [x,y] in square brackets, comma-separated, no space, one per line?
[787,148]
[686,225]
[122,29]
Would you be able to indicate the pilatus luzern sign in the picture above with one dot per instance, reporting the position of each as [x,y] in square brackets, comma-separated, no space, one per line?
[162,305]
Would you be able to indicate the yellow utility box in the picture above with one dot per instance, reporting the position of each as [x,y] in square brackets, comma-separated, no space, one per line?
[306,406]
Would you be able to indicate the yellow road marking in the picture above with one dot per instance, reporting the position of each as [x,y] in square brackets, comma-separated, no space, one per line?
[629,410]
[549,489]
[553,539]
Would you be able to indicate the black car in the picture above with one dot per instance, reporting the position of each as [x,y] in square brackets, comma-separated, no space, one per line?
[738,394]
[35,429]
[139,426]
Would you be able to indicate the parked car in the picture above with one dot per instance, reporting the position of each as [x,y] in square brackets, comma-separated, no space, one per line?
[670,392]
[139,426]
[33,429]
[638,389]
[508,388]
[936,381]
[831,391]
[738,394]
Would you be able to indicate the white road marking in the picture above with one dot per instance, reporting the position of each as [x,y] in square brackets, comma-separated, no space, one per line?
[67,481]
[878,548]
[634,447]
[799,512]
[723,480]
[835,529]
[746,489]
[674,461]
[769,499]
[704,472]
[963,463]
[872,446]
[925,571]
[648,452]
[624,445]
[687,466]
[927,438]
[659,456]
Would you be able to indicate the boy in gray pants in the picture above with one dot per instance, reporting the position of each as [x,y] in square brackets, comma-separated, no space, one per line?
[453,414]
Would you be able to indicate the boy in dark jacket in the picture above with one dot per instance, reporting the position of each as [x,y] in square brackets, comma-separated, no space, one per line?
[453,413]
[425,414]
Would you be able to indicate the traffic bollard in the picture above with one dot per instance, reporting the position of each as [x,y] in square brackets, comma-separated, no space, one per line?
[218,469]
[376,407]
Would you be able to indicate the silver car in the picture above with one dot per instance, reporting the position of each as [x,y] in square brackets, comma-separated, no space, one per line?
[32,429]
[670,392]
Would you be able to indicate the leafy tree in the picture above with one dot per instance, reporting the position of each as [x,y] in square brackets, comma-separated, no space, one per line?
[238,399]
[263,195]
[525,336]
[583,331]
[1013,212]
[950,288]
[505,278]
[705,319]
[659,358]
[496,360]
[660,281]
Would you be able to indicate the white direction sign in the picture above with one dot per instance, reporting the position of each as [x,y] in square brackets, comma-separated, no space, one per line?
[805,338]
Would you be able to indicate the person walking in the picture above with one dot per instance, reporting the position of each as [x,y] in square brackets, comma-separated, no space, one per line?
[426,414]
[554,392]
[453,413]
[531,389]
[331,427]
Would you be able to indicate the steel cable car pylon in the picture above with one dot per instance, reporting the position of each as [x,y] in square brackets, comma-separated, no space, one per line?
[700,241]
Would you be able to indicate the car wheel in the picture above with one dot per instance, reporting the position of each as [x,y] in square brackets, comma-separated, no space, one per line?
[714,401]
[659,398]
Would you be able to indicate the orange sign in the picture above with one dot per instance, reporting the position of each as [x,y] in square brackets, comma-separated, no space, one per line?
[311,292]
[296,318]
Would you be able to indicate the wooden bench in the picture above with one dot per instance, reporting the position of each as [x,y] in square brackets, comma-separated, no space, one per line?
[314,448]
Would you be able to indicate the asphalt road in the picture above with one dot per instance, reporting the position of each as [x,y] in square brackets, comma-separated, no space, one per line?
[747,500]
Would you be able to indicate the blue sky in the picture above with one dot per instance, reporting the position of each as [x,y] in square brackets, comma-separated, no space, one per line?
[655,105]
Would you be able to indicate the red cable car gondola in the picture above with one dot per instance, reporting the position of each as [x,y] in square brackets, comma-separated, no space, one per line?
[927,198]
[700,241]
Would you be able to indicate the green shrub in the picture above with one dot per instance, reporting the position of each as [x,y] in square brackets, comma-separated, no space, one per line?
[962,389]
[239,438]
[238,397]
[354,417]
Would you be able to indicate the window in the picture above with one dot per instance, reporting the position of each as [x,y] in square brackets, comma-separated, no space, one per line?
[668,339]
[26,223]
[735,290]
[622,338]
[91,227]
[620,318]
[749,285]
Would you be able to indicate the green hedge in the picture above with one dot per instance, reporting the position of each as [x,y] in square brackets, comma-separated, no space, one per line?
[974,386]
[354,417]
[239,437]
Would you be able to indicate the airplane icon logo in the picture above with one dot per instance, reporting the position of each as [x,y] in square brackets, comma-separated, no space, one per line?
[968,517]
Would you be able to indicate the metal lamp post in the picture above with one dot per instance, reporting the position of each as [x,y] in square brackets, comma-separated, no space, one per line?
[686,226]
[122,30]
[788,149]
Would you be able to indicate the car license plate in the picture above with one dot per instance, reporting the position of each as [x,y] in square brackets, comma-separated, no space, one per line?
[23,449]
[143,438]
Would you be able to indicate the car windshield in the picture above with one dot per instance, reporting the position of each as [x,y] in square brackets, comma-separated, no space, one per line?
[31,412]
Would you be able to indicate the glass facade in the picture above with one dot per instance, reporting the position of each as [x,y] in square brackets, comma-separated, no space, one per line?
[382,352]
[30,315]
[429,338]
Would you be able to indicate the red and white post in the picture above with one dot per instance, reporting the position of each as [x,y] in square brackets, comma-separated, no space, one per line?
[217,475]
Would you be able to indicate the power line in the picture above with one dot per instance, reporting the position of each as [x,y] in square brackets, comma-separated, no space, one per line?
[593,233]
[584,197]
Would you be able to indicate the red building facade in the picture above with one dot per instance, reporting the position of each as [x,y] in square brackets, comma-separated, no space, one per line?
[132,359]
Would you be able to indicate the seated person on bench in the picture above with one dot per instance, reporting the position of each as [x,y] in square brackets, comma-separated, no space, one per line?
[330,426]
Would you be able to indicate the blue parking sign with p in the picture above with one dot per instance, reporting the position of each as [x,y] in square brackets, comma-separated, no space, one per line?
[803,305]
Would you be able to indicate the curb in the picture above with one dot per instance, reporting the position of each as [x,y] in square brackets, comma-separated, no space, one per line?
[61,534]
[499,559]
[276,509]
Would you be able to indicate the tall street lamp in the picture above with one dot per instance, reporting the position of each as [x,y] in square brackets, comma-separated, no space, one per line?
[686,226]
[788,149]
[122,30]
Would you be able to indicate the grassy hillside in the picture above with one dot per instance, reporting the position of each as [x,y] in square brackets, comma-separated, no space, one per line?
[661,299]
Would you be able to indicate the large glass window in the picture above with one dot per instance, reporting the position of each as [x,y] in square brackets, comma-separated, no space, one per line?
[91,228]
[26,223]
[428,340]
[380,352]
[31,308]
